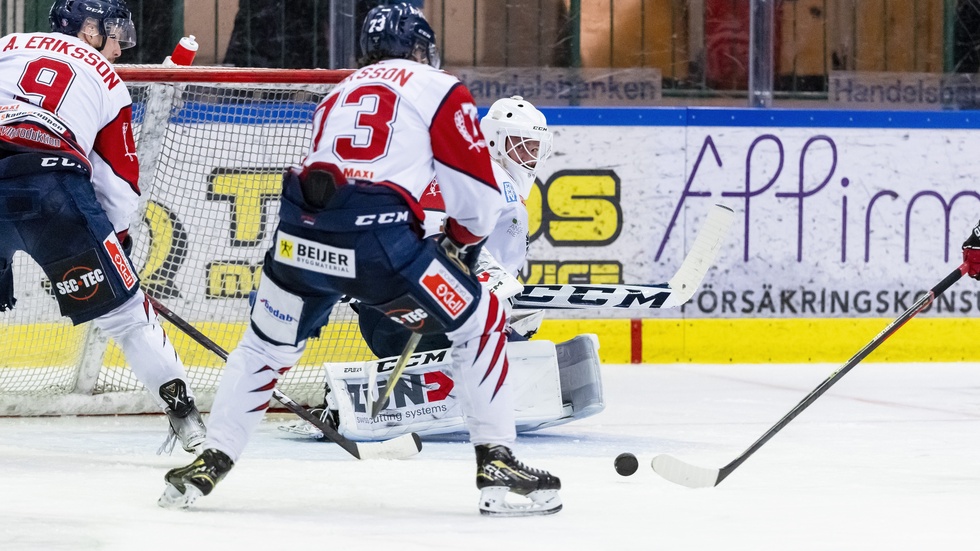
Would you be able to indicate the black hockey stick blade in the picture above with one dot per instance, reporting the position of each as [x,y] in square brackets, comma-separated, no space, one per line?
[410,347]
[674,293]
[400,447]
[692,476]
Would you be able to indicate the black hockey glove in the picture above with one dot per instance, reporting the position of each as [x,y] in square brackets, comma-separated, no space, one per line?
[126,241]
[971,253]
[464,256]
[7,299]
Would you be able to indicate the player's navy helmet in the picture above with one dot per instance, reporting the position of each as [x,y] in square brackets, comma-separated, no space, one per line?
[397,31]
[114,17]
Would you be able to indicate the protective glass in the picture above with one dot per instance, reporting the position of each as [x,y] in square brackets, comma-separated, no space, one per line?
[121,30]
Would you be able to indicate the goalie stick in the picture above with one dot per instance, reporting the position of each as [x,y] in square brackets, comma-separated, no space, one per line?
[377,405]
[401,447]
[692,476]
[671,294]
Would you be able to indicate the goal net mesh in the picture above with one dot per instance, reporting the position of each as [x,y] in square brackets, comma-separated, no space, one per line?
[212,153]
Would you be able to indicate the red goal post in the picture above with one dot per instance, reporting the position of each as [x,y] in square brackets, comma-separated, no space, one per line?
[212,145]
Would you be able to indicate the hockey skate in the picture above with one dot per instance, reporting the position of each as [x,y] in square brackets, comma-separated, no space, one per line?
[186,423]
[327,412]
[306,429]
[186,484]
[498,473]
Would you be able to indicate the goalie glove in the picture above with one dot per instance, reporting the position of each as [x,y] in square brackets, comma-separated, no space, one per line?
[495,278]
[971,253]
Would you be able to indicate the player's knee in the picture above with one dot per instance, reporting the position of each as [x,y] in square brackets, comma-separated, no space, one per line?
[256,345]
[132,315]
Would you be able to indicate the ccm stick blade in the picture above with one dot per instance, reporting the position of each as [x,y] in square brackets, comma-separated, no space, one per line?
[400,447]
[692,476]
[675,292]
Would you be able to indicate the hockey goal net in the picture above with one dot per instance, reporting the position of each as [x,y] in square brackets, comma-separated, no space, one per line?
[212,145]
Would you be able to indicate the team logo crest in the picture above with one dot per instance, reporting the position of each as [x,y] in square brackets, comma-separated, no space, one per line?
[469,126]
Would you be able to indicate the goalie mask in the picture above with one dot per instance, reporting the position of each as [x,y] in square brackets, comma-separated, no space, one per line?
[519,138]
[112,16]
[399,31]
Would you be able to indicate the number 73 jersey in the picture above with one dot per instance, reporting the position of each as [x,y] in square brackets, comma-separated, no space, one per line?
[59,94]
[404,124]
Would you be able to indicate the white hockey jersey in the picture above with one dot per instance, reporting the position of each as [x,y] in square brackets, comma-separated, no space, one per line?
[57,93]
[404,124]
[507,241]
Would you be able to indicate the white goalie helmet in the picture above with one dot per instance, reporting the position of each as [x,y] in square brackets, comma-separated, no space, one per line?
[518,136]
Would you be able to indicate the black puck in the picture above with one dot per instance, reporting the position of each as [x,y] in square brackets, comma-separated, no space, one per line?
[626,464]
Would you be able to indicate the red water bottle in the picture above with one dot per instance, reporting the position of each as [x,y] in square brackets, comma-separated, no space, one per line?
[185,51]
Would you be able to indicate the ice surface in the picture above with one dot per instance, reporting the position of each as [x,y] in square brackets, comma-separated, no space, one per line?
[887,459]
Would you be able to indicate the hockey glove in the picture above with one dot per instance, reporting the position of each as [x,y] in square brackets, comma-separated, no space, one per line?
[466,256]
[126,241]
[7,299]
[971,253]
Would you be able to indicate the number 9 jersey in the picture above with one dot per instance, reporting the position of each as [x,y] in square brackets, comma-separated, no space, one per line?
[403,124]
[59,94]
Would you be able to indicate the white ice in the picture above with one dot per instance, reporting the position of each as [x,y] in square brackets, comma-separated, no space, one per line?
[888,459]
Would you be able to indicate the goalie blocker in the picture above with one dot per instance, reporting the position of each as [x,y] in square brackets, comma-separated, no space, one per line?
[552,385]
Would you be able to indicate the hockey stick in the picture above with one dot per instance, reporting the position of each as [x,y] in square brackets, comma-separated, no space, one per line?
[379,404]
[401,447]
[693,476]
[674,293]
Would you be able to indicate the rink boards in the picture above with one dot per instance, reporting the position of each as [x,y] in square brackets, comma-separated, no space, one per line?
[842,218]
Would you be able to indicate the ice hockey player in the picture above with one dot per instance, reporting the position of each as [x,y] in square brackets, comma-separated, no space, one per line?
[519,142]
[69,189]
[397,123]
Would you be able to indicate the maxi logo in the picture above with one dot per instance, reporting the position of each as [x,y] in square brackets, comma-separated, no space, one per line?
[80,283]
[510,195]
[383,218]
[316,257]
[120,261]
[445,289]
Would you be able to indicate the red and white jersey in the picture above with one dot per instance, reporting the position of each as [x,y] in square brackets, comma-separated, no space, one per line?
[404,124]
[57,93]
[507,241]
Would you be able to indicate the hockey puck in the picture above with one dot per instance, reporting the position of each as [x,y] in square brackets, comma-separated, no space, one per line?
[626,464]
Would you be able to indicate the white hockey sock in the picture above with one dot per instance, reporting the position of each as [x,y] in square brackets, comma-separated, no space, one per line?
[249,377]
[148,350]
[480,368]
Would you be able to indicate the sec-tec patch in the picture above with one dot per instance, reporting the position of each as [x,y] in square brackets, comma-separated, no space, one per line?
[79,283]
[443,286]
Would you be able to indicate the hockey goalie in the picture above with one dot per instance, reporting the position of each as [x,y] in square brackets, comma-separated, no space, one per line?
[552,383]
